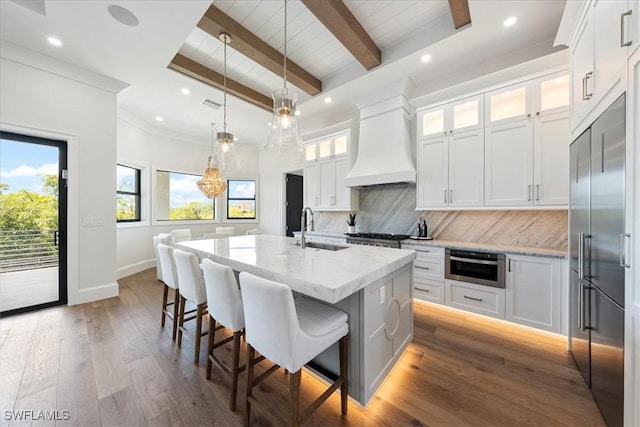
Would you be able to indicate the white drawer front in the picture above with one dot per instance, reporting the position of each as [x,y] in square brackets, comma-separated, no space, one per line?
[430,269]
[426,251]
[476,298]
[428,290]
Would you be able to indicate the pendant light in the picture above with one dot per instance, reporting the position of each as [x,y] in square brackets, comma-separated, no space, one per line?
[212,184]
[225,152]
[284,134]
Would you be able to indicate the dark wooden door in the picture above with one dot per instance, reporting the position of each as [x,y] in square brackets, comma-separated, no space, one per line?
[293,203]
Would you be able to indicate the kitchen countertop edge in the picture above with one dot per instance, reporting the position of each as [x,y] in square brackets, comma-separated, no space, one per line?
[490,247]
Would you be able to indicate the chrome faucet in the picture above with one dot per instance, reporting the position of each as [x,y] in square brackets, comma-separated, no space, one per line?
[304,225]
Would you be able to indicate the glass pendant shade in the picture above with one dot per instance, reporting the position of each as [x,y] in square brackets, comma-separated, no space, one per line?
[225,153]
[212,185]
[284,133]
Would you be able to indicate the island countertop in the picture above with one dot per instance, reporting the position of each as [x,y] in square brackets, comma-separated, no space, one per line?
[326,275]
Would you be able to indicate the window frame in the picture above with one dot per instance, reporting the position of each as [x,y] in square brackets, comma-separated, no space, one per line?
[157,221]
[137,194]
[254,199]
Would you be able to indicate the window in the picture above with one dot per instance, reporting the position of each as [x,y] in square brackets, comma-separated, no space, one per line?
[178,198]
[241,199]
[127,194]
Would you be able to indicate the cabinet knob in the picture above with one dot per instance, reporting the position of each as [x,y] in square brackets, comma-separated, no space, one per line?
[537,113]
[529,115]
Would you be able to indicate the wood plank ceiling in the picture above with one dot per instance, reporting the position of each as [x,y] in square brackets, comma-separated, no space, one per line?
[324,36]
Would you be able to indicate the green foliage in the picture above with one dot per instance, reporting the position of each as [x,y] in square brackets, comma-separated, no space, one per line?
[236,211]
[193,210]
[28,210]
[352,219]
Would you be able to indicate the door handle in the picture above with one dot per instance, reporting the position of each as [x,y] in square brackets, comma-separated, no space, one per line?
[624,249]
[622,16]
[56,238]
[587,95]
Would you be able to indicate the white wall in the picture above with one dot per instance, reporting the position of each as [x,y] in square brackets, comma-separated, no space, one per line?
[45,97]
[147,147]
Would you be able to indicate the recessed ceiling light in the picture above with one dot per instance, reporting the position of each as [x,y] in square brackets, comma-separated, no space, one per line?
[123,15]
[159,119]
[328,100]
[54,41]
[425,58]
[510,21]
[185,91]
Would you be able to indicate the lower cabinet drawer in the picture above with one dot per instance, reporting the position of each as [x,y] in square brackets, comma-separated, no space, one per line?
[431,269]
[476,298]
[428,290]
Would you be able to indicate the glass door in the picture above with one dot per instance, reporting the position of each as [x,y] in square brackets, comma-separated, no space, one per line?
[33,223]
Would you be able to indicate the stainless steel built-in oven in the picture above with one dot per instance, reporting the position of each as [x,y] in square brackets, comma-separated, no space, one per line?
[481,268]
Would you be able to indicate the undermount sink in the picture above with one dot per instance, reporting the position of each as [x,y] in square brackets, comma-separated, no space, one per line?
[323,246]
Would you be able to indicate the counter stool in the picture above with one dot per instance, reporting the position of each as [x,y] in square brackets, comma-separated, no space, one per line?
[165,239]
[181,234]
[224,303]
[191,289]
[167,266]
[290,334]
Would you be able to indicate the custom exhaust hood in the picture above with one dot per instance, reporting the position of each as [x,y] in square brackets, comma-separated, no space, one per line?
[384,145]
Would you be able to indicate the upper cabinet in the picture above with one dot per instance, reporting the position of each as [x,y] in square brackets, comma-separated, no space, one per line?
[327,162]
[605,36]
[533,98]
[459,116]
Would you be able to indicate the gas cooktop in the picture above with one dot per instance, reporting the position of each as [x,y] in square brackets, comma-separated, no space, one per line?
[380,236]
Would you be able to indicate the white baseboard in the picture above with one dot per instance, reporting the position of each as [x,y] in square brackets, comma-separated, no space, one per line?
[96,293]
[130,269]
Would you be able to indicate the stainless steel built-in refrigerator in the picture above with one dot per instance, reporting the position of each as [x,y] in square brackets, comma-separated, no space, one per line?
[596,241]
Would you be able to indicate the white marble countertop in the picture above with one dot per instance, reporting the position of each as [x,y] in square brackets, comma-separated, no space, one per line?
[321,233]
[326,275]
[490,247]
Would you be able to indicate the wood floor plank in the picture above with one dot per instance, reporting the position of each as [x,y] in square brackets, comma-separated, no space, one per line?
[110,371]
[9,384]
[151,386]
[37,409]
[40,371]
[121,409]
[130,342]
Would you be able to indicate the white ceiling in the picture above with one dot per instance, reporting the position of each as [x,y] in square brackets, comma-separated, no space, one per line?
[403,29]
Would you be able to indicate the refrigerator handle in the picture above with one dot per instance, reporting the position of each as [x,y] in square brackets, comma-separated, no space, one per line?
[581,306]
[580,255]
[624,249]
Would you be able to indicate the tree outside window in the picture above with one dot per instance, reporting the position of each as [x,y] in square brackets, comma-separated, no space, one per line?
[177,198]
[241,199]
[127,194]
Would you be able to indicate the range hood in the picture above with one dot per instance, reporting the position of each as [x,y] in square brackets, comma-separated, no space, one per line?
[384,145]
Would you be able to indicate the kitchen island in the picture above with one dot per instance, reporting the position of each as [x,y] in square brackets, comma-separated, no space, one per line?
[372,285]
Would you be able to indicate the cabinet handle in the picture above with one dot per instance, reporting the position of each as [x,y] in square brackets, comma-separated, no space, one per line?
[445,195]
[624,249]
[509,266]
[423,290]
[537,191]
[529,192]
[472,298]
[451,196]
[622,42]
[587,95]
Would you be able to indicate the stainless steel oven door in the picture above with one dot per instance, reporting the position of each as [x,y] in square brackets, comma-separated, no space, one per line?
[474,267]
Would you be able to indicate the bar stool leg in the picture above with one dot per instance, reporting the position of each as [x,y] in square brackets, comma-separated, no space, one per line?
[294,388]
[344,357]
[176,312]
[182,303]
[211,344]
[165,296]
[198,334]
[251,354]
[234,369]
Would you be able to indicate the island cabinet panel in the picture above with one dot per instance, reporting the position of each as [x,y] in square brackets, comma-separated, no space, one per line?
[387,328]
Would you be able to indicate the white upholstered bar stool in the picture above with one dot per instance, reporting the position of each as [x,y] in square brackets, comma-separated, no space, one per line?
[181,235]
[167,265]
[253,231]
[226,230]
[166,239]
[191,289]
[290,334]
[224,303]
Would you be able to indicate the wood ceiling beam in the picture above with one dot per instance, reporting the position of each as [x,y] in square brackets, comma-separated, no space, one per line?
[193,69]
[460,12]
[244,41]
[338,19]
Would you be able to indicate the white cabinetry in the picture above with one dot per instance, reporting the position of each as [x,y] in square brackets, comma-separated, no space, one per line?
[458,116]
[475,298]
[451,170]
[526,162]
[534,292]
[599,50]
[327,161]
[428,273]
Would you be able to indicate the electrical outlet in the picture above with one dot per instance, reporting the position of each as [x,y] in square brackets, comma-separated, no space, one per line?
[93,222]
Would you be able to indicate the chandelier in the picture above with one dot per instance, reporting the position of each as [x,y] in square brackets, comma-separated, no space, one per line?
[212,184]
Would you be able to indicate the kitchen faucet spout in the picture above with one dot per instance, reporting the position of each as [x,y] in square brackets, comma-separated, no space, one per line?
[304,225]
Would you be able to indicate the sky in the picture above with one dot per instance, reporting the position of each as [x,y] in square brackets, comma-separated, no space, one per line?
[22,164]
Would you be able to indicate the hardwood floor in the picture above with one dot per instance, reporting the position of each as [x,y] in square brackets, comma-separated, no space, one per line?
[110,363]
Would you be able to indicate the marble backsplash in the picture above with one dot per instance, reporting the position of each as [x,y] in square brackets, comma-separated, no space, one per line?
[391,209]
